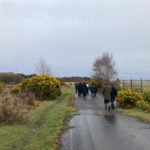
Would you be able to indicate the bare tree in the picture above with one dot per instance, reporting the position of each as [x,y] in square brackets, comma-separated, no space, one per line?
[42,67]
[104,67]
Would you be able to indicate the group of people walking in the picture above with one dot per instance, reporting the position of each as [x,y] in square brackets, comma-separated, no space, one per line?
[109,93]
[82,89]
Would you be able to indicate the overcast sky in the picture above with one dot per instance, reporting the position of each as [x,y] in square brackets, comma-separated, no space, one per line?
[70,34]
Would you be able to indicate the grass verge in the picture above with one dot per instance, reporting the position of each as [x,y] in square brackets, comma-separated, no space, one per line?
[136,112]
[43,129]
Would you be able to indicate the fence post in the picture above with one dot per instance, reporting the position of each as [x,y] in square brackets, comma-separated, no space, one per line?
[131,84]
[141,85]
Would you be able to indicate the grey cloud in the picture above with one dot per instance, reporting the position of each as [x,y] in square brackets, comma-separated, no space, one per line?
[71,34]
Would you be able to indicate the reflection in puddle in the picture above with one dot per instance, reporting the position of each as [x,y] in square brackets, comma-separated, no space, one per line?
[111,118]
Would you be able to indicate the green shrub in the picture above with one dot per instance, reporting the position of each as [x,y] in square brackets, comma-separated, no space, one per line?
[128,98]
[144,105]
[43,86]
[146,96]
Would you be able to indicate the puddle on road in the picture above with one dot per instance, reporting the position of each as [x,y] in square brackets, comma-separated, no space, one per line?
[88,112]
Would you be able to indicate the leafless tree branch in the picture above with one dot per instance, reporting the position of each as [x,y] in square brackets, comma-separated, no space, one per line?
[104,67]
[42,67]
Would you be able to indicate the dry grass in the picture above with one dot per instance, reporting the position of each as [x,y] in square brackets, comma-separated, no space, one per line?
[12,107]
[42,129]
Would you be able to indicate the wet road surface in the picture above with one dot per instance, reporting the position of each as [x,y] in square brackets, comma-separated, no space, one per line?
[94,129]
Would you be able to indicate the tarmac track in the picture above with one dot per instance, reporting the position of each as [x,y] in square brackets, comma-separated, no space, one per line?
[94,129]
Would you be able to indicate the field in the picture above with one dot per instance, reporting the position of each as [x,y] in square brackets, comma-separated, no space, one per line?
[136,84]
[43,127]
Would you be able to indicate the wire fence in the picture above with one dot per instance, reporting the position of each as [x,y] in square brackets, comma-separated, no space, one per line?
[139,85]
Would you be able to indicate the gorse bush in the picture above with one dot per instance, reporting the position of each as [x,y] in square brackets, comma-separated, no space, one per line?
[144,105]
[43,86]
[146,96]
[128,98]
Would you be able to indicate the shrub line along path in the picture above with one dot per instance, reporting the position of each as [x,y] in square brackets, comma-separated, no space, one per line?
[95,130]
[42,129]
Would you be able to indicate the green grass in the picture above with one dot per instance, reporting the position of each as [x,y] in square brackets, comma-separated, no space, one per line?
[136,112]
[43,128]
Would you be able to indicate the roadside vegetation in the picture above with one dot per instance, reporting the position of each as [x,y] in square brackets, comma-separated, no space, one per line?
[33,113]
[135,103]
[17,100]
[130,101]
[42,86]
[136,112]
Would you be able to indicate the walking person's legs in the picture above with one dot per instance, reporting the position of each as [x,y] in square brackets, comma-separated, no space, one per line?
[84,95]
[105,102]
[94,94]
[112,104]
[107,105]
[79,93]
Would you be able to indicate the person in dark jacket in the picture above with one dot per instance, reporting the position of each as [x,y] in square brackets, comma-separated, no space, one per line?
[79,89]
[113,96]
[93,90]
[84,89]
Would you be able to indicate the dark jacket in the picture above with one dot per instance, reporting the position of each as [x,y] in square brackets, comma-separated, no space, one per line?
[93,89]
[84,88]
[79,87]
[113,93]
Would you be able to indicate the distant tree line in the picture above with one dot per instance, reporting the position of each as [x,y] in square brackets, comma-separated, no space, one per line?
[75,79]
[12,78]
